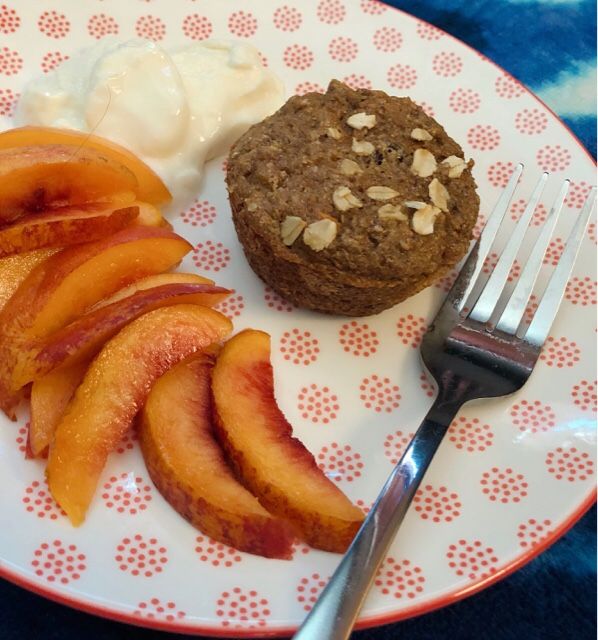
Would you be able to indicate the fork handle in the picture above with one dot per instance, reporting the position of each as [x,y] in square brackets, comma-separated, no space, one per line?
[337,608]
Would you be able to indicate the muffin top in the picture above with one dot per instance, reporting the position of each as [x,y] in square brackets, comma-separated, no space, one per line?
[387,188]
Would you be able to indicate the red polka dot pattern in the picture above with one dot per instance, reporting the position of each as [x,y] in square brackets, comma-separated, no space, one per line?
[365,507]
[342,49]
[216,553]
[387,39]
[577,194]
[331,11]
[592,232]
[373,7]
[470,434]
[287,18]
[232,307]
[101,25]
[211,256]
[472,559]
[141,557]
[395,445]
[298,57]
[379,393]
[539,217]
[299,549]
[53,24]
[308,87]
[154,609]
[583,395]
[447,64]
[21,439]
[400,579]
[533,415]
[507,87]
[341,463]
[411,330]
[427,31]
[446,282]
[58,562]
[533,532]
[426,386]
[531,121]
[126,494]
[299,347]
[9,19]
[242,24]
[560,352]
[10,62]
[38,500]
[464,100]
[242,608]
[479,226]
[318,404]
[276,302]
[197,27]
[128,442]
[52,59]
[553,158]
[483,137]
[490,264]
[499,173]
[150,27]
[309,589]
[530,310]
[437,504]
[553,252]
[568,463]
[357,81]
[358,339]
[428,109]
[402,76]
[200,214]
[503,485]
[581,291]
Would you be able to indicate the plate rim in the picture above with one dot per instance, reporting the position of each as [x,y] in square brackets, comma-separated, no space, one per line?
[80,604]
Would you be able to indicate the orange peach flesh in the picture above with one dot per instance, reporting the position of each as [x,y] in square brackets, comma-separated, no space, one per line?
[114,389]
[150,186]
[82,339]
[14,269]
[273,464]
[188,466]
[50,396]
[35,178]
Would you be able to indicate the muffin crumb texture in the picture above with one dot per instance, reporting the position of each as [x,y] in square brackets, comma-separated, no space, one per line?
[350,201]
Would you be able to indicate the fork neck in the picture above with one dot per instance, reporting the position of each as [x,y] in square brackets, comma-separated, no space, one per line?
[453,393]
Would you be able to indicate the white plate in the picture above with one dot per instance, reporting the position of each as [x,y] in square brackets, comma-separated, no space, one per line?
[511,477]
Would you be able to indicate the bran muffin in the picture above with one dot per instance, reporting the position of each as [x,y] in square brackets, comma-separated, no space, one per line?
[349,202]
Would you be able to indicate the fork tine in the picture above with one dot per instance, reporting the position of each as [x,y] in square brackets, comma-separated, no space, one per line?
[547,309]
[515,308]
[470,271]
[486,303]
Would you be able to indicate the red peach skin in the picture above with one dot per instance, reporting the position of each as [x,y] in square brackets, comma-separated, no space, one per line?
[114,388]
[62,287]
[188,466]
[84,337]
[64,226]
[272,464]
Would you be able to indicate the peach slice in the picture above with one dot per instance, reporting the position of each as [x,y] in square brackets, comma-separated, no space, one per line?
[64,226]
[14,269]
[50,396]
[188,466]
[61,288]
[149,215]
[114,389]
[273,464]
[33,179]
[150,186]
[84,337]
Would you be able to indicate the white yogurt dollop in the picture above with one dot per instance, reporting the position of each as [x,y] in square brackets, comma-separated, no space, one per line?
[174,109]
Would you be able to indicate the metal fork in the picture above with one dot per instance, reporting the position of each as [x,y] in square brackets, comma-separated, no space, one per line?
[484,352]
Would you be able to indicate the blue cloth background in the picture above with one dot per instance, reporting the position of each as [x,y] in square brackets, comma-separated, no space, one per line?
[550,45]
